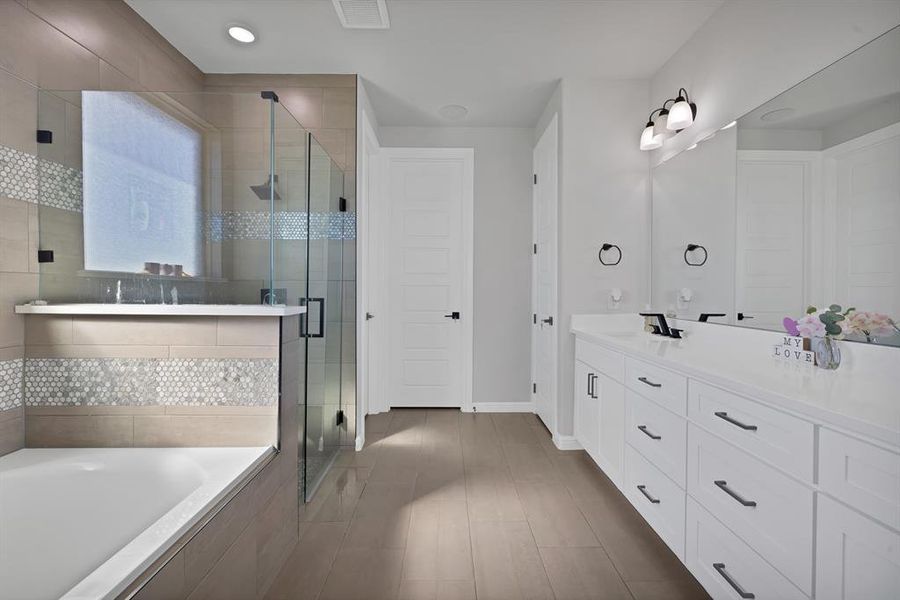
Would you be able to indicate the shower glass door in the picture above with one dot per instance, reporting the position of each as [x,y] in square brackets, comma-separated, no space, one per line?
[325,418]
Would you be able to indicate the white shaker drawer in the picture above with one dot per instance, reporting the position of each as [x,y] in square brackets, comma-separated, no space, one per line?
[727,567]
[607,362]
[661,436]
[770,511]
[856,558]
[657,498]
[764,432]
[864,476]
[661,385]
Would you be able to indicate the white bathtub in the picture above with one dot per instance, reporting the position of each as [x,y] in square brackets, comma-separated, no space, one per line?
[85,523]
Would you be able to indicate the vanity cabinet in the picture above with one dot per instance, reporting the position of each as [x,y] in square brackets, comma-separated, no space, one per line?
[757,500]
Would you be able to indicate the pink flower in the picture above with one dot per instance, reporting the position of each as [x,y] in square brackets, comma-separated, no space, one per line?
[811,326]
[868,323]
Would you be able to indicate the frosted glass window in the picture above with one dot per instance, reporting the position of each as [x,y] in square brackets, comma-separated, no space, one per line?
[142,186]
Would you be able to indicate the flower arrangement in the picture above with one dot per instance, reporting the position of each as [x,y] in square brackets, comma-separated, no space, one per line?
[868,324]
[819,323]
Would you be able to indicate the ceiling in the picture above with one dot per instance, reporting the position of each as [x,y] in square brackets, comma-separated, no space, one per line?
[501,59]
[859,81]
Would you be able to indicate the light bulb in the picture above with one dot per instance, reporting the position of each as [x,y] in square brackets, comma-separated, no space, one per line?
[660,129]
[241,34]
[680,115]
[648,140]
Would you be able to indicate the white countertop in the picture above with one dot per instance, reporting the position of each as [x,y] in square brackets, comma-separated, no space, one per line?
[862,396]
[163,310]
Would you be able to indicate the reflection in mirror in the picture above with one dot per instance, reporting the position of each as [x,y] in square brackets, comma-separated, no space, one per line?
[798,206]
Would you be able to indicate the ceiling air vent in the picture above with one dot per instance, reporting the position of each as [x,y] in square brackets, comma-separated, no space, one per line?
[362,14]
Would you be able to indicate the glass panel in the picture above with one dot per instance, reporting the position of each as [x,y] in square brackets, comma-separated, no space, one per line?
[154,198]
[324,320]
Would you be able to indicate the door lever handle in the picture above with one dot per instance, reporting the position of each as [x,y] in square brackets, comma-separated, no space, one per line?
[454,315]
[548,321]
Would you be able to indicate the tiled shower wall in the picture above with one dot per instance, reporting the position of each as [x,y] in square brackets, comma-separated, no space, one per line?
[57,45]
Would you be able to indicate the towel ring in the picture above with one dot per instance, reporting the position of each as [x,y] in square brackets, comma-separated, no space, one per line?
[691,248]
[606,247]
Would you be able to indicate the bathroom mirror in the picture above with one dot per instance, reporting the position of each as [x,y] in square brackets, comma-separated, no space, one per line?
[797,204]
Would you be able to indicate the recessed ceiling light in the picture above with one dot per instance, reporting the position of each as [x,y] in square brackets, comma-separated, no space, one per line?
[729,126]
[453,112]
[777,115]
[241,34]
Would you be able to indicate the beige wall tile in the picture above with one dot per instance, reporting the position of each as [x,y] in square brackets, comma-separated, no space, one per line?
[113,79]
[219,411]
[95,351]
[167,584]
[94,410]
[34,238]
[106,431]
[144,330]
[15,288]
[160,72]
[18,113]
[334,141]
[14,231]
[290,328]
[63,63]
[261,81]
[96,26]
[340,108]
[276,530]
[248,331]
[234,576]
[224,352]
[210,544]
[12,352]
[17,42]
[306,105]
[12,431]
[48,330]
[196,430]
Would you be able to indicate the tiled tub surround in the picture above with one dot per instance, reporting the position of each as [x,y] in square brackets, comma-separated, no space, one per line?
[150,381]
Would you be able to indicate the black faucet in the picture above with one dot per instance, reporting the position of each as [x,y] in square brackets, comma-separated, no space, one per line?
[663,326]
[704,317]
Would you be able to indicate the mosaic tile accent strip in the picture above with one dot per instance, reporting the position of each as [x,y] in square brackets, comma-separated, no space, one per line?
[250,225]
[150,382]
[33,179]
[11,383]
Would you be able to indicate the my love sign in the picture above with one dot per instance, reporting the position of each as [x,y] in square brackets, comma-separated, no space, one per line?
[794,349]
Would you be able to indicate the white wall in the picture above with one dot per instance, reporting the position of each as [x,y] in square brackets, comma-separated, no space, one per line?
[749,51]
[503,169]
[605,197]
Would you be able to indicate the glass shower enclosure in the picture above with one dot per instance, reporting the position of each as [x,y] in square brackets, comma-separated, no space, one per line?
[203,198]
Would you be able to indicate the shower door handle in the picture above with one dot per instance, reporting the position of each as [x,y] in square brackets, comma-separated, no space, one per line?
[304,318]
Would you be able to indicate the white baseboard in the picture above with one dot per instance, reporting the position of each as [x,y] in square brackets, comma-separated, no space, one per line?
[504,407]
[566,442]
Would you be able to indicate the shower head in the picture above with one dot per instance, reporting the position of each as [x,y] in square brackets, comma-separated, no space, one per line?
[263,192]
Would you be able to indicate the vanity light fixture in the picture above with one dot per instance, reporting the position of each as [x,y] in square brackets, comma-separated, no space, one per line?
[670,120]
[241,34]
[682,113]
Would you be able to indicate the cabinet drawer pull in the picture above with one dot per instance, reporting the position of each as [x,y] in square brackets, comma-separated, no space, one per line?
[723,485]
[652,436]
[592,381]
[720,567]
[643,490]
[648,382]
[724,416]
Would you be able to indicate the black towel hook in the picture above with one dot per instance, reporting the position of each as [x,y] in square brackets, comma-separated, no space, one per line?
[605,247]
[691,248]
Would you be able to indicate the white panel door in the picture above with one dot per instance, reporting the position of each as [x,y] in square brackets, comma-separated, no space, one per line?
[429,196]
[867,224]
[774,191]
[544,327]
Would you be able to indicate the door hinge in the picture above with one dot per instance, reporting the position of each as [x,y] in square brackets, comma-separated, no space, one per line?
[339,418]
[342,204]
[44,136]
[534,249]
[45,256]
[534,318]
[535,179]
[534,388]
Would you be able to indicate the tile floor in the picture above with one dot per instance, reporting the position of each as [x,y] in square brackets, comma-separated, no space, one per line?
[442,505]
